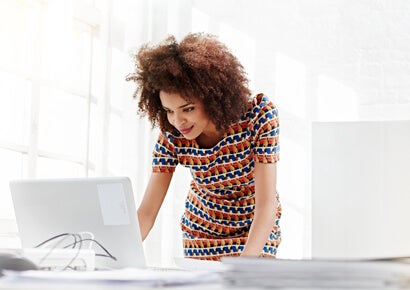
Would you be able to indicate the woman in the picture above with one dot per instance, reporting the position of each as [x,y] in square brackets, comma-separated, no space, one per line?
[197,93]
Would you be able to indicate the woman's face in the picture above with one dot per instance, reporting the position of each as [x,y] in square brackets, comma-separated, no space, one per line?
[188,117]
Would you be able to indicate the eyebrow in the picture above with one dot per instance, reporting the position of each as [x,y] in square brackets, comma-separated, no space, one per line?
[180,107]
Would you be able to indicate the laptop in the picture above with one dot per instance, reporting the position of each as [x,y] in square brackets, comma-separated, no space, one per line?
[103,206]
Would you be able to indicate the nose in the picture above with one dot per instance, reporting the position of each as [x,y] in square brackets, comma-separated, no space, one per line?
[178,120]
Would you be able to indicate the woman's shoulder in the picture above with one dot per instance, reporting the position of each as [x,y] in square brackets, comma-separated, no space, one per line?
[262,113]
[260,104]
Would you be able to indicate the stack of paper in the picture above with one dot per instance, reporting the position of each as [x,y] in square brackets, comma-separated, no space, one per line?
[278,273]
[124,277]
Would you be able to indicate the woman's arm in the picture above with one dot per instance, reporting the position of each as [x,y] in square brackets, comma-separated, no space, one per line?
[265,208]
[151,203]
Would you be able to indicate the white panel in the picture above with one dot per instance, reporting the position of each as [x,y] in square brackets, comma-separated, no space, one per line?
[360,189]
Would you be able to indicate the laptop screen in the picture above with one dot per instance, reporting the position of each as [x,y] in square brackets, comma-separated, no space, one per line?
[102,206]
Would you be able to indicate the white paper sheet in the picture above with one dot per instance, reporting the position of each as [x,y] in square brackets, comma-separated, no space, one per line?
[318,274]
[141,277]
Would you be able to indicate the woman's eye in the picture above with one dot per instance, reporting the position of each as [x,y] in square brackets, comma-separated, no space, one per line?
[189,109]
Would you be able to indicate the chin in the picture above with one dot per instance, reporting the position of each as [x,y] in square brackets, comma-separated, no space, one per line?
[189,137]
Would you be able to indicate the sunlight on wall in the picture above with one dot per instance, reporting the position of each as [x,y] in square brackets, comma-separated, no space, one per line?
[172,18]
[242,46]
[336,101]
[293,182]
[200,21]
[16,51]
[292,187]
[292,224]
[171,215]
[290,90]
[118,86]
[115,144]
[56,60]
[293,165]
[52,168]
[11,167]
[14,110]
[59,130]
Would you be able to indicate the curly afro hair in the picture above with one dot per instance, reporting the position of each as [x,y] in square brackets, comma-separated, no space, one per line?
[199,67]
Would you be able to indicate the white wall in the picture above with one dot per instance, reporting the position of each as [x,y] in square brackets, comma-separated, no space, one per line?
[321,60]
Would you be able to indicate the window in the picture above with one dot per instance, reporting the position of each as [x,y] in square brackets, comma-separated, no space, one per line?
[65,108]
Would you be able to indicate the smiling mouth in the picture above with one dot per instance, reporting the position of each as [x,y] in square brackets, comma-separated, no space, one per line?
[186,130]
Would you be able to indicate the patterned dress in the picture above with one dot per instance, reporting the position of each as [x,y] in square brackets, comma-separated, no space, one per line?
[220,204]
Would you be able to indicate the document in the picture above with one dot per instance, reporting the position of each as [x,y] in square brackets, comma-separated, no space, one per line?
[317,274]
[130,276]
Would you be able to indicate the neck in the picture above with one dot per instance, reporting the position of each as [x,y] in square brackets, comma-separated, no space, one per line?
[210,139]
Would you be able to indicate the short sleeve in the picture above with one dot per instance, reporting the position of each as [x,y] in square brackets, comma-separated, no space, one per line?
[265,127]
[164,158]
